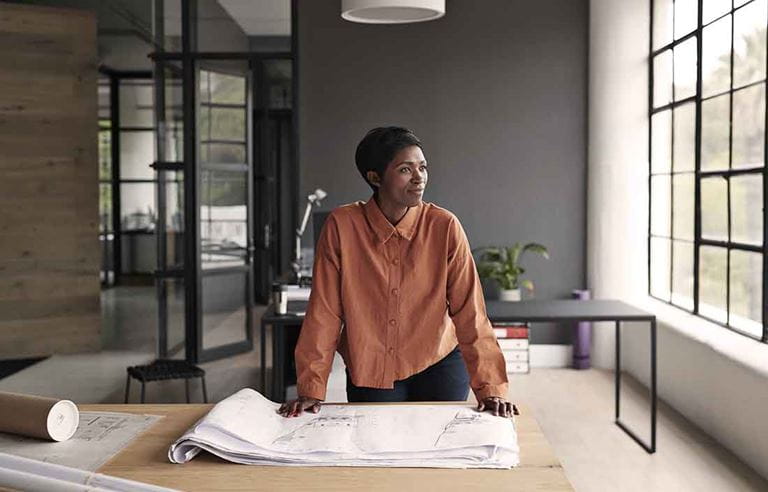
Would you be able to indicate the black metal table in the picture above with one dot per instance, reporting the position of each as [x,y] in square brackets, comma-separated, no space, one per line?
[587,310]
[532,311]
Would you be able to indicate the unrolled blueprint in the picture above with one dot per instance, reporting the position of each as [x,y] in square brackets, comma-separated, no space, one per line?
[99,436]
[246,428]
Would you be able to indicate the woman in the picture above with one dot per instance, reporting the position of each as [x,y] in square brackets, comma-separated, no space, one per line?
[395,290]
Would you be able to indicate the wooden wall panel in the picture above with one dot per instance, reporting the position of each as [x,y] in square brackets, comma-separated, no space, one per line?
[49,249]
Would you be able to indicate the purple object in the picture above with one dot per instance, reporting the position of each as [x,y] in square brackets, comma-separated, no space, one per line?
[582,336]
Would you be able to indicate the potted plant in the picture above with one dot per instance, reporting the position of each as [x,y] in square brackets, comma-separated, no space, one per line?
[502,264]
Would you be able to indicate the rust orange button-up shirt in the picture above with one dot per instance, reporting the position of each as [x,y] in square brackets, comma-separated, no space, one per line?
[393,300]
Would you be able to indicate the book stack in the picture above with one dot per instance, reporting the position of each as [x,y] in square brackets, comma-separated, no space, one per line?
[513,340]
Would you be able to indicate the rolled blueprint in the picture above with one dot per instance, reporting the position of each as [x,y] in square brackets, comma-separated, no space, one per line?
[25,474]
[36,416]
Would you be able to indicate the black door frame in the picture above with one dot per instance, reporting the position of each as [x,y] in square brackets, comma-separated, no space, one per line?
[192,271]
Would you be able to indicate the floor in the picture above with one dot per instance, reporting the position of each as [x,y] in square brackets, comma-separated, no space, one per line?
[574,408]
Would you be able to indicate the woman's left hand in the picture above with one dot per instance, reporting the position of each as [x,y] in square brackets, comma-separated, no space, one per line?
[499,406]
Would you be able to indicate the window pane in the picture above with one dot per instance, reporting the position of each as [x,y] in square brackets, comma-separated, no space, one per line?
[746,209]
[683,196]
[228,124]
[714,208]
[174,220]
[748,126]
[682,274]
[684,156]
[137,206]
[660,205]
[136,104]
[223,216]
[714,9]
[105,154]
[227,89]
[662,23]
[204,122]
[661,144]
[226,153]
[660,268]
[685,69]
[279,77]
[749,43]
[716,57]
[174,141]
[224,303]
[172,125]
[686,15]
[137,152]
[662,79]
[174,299]
[712,282]
[746,291]
[714,133]
[102,92]
[105,207]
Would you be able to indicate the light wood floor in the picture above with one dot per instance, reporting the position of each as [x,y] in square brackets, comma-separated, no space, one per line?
[575,410]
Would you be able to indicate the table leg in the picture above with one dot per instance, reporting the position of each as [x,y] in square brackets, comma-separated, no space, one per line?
[652,447]
[617,371]
[263,354]
[653,385]
[280,337]
[278,361]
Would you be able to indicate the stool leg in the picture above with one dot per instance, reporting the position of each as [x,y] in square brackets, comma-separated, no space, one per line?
[186,388]
[127,387]
[142,391]
[205,394]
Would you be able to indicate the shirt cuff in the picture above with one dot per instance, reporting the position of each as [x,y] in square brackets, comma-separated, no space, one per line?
[312,390]
[497,390]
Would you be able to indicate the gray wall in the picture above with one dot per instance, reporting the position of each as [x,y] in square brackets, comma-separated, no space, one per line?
[496,90]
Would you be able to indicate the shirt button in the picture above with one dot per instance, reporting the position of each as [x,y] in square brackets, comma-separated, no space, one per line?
[395,261]
[391,350]
[393,322]
[394,292]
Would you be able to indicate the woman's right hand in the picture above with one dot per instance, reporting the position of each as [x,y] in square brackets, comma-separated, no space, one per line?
[293,408]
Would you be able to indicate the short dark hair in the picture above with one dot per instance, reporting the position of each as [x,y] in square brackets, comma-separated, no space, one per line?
[378,148]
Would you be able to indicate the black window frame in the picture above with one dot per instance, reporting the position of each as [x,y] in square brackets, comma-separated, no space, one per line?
[698,241]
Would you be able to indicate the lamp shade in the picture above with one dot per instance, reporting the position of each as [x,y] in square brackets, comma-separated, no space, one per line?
[392,11]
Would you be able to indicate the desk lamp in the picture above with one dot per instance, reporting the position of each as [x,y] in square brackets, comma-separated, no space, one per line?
[313,198]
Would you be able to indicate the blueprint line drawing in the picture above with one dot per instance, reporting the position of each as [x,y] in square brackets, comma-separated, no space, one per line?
[460,422]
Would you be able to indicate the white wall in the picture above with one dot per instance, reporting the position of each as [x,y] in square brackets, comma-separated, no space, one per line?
[714,377]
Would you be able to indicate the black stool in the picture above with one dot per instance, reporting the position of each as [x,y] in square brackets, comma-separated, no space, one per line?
[165,369]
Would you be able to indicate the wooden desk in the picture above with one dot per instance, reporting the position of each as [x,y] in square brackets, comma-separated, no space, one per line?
[146,460]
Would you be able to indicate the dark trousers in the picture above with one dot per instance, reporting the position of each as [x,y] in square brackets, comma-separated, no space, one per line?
[446,380]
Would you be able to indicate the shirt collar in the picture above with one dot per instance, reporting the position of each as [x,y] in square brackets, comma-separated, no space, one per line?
[384,228]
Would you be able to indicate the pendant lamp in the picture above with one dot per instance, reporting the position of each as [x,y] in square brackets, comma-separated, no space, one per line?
[392,11]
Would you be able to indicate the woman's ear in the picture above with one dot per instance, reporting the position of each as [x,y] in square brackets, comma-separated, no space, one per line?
[373,178]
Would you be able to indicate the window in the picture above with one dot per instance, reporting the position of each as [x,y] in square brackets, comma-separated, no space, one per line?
[224,168]
[707,110]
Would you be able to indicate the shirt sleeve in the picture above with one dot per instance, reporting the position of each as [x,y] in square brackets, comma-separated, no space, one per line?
[466,306]
[321,328]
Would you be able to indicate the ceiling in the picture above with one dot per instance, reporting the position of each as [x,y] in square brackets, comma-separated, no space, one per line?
[255,17]
[260,17]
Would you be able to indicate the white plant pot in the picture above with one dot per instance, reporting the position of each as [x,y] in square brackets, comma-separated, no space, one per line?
[509,295]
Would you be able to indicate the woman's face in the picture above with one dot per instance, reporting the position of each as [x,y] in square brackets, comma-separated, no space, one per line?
[405,178]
